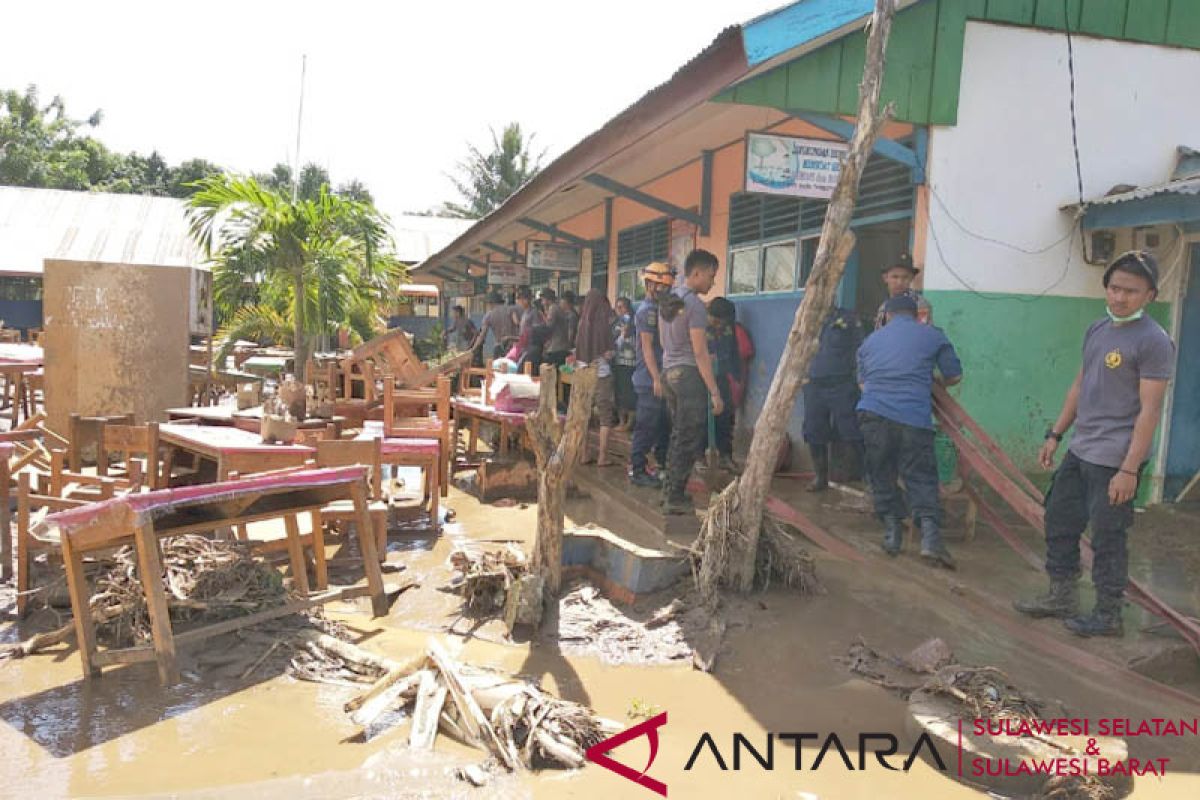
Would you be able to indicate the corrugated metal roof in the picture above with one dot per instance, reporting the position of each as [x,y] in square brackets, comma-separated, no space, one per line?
[36,224]
[1181,186]
[417,238]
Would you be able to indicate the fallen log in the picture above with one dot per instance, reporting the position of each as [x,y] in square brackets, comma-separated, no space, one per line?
[431,697]
[477,724]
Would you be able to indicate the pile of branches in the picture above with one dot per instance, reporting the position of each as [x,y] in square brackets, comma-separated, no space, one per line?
[484,578]
[780,556]
[984,693]
[204,579]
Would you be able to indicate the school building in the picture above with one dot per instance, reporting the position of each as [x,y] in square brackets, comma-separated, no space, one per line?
[1029,146]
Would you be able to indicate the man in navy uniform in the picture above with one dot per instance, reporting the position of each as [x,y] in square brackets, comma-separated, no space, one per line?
[896,371]
[651,424]
[831,393]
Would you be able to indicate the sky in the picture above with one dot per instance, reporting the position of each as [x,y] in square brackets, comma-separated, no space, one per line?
[394,91]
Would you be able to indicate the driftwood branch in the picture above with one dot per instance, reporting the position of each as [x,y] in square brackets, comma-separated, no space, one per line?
[729,547]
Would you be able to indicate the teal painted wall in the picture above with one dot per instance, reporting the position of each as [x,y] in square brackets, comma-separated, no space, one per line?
[1019,357]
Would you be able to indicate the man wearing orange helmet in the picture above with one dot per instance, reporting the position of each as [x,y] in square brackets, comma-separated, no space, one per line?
[651,426]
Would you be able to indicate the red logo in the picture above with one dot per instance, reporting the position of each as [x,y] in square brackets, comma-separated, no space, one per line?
[598,753]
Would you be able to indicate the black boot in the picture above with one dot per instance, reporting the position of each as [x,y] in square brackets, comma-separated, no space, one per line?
[932,549]
[820,459]
[1062,600]
[893,535]
[1105,619]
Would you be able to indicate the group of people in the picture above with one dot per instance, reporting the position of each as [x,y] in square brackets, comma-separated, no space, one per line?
[676,369]
[875,393]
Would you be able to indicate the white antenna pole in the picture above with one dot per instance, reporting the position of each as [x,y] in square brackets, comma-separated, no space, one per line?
[299,125]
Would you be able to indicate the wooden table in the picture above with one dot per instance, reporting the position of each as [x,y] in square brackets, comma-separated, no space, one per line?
[233,449]
[16,361]
[143,519]
[247,419]
[474,412]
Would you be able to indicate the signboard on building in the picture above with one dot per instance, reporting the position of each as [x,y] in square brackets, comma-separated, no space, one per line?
[554,255]
[458,288]
[791,165]
[507,273]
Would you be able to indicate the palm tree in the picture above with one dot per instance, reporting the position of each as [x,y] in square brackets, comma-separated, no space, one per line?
[320,261]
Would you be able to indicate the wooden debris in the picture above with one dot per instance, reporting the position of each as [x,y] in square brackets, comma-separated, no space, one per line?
[431,696]
[525,601]
[477,725]
[667,613]
[486,577]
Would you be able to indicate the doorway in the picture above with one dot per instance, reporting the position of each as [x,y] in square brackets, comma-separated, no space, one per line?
[1183,445]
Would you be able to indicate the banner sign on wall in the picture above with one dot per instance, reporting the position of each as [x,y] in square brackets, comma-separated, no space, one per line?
[553,255]
[793,166]
[458,288]
[507,273]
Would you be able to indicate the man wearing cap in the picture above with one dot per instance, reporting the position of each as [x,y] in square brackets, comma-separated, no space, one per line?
[831,392]
[898,278]
[501,321]
[554,329]
[688,379]
[651,424]
[1114,403]
[896,371]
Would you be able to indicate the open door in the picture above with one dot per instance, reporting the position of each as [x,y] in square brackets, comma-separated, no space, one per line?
[1183,445]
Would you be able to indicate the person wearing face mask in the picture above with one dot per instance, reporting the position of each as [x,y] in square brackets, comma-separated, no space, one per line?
[1114,405]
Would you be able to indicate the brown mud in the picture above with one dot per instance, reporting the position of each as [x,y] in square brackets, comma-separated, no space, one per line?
[272,736]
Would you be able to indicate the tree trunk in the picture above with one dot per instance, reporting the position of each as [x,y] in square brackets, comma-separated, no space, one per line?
[729,540]
[557,448]
[299,335]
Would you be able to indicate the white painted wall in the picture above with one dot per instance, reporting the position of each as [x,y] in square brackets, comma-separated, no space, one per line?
[1005,169]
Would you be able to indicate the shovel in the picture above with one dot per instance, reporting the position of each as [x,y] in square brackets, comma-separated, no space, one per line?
[711,457]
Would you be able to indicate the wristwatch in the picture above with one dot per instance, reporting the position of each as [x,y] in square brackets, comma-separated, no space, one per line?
[1050,434]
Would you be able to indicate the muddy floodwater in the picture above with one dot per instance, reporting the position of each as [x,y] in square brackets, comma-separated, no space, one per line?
[270,736]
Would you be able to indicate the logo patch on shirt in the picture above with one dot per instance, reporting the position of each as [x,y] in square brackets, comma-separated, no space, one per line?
[1112,359]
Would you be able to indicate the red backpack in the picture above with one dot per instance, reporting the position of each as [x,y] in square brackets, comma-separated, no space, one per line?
[745,346]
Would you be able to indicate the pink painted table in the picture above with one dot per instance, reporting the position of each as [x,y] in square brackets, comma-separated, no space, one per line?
[233,449]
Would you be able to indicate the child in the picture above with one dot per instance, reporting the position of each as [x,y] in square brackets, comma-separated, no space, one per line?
[731,349]
[624,362]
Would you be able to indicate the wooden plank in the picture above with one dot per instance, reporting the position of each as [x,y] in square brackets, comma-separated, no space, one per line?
[151,570]
[126,655]
[225,626]
[320,564]
[813,80]
[1183,25]
[854,56]
[1147,22]
[911,46]
[813,532]
[1017,12]
[85,629]
[24,567]
[6,539]
[1104,18]
[947,64]
[431,696]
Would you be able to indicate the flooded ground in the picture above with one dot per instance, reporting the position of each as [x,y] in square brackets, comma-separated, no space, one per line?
[271,736]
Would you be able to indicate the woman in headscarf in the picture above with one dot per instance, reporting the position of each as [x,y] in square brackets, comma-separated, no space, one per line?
[594,347]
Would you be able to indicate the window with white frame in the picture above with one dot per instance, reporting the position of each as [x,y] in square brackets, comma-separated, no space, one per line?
[637,246]
[766,250]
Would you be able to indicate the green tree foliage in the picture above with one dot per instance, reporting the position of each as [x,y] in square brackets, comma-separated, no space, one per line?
[312,264]
[486,180]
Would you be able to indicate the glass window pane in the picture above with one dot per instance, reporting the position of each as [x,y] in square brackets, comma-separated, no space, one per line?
[744,272]
[808,252]
[779,267]
[627,283]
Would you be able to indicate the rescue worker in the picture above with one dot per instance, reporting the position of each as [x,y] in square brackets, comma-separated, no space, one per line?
[896,372]
[651,424]
[1114,403]
[687,375]
[831,393]
[898,278]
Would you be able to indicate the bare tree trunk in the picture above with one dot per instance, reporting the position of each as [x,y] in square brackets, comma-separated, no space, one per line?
[729,539]
[299,336]
[557,448]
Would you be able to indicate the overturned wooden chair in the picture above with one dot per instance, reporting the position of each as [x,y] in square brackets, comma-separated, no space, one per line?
[130,441]
[345,453]
[85,432]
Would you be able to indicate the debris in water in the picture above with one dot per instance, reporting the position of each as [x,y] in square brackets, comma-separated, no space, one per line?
[929,656]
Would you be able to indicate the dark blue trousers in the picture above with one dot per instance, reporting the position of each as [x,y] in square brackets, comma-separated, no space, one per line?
[651,430]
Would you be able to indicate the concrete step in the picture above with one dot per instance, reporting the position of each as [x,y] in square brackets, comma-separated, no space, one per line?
[605,497]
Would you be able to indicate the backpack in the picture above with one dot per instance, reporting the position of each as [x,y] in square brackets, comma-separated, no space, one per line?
[745,348]
[745,344]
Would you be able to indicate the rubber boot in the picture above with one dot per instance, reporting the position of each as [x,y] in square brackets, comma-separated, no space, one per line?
[932,550]
[1105,619]
[820,459]
[1061,600]
[893,535]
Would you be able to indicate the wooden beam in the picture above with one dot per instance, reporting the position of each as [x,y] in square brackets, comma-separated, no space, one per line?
[504,251]
[554,230]
[648,200]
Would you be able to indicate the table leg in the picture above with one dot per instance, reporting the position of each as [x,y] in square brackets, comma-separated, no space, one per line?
[85,629]
[318,540]
[503,439]
[150,567]
[366,546]
[473,439]
[296,554]
[435,496]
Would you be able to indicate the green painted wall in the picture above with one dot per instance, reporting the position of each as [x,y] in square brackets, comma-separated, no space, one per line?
[1019,357]
[925,52]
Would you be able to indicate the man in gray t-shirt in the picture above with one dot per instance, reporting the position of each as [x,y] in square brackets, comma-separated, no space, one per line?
[1115,404]
[688,379]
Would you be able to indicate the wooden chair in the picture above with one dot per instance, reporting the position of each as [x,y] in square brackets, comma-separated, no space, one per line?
[83,432]
[29,500]
[438,425]
[345,453]
[310,436]
[131,440]
[482,392]
[35,392]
